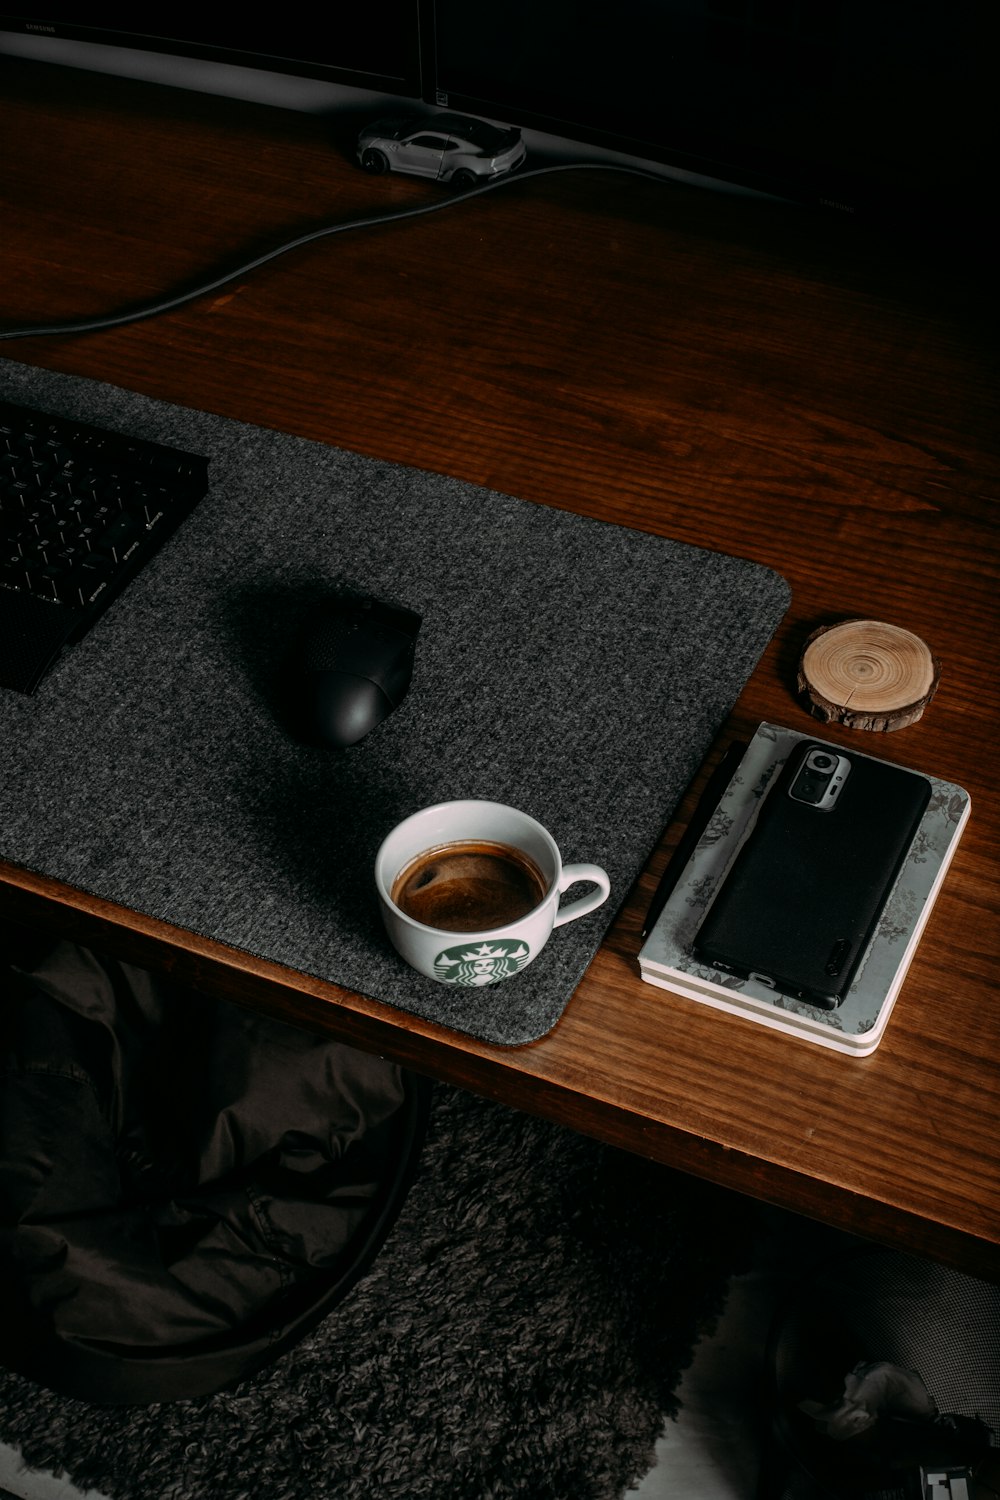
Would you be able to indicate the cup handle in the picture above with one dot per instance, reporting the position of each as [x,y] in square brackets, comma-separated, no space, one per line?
[579,908]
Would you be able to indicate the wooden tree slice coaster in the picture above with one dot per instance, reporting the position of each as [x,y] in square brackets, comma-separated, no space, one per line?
[867,675]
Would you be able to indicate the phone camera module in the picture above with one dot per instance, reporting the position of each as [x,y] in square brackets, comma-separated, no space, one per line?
[820,779]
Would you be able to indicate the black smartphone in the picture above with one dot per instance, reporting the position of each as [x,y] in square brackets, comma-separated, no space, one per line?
[797,909]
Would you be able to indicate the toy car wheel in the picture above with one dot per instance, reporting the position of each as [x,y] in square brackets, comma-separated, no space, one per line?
[374,161]
[464,180]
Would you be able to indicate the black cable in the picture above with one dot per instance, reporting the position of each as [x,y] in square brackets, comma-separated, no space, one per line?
[168,304]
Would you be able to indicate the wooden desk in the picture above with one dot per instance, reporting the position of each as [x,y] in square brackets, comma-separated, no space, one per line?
[726,372]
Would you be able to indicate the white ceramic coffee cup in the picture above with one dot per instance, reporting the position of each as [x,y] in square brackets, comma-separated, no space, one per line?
[487,956]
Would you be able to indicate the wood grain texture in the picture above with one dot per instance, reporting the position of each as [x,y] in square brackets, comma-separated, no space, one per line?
[868,675]
[726,372]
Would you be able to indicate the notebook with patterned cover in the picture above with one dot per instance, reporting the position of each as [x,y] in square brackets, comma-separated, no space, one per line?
[859,1022]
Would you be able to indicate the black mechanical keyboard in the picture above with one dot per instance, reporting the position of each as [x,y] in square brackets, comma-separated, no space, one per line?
[81,511]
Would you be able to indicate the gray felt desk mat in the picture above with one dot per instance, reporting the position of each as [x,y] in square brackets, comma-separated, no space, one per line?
[575,669]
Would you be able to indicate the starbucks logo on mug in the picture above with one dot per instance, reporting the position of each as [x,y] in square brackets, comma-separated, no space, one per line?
[482,963]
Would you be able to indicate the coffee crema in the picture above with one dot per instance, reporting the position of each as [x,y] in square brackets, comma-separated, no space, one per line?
[471,885]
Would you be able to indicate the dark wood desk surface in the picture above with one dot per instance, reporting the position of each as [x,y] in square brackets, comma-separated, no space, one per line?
[726,372]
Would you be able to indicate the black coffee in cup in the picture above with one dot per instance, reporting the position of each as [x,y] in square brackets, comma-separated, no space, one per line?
[469,886]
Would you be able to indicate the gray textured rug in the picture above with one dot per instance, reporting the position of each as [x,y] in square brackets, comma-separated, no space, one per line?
[521,1334]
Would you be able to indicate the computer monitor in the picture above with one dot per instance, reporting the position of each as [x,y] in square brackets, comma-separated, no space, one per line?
[877,109]
[881,109]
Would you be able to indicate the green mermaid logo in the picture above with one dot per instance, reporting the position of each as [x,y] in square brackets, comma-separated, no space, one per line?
[485,963]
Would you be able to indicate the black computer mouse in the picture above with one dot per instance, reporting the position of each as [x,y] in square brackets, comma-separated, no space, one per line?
[349,668]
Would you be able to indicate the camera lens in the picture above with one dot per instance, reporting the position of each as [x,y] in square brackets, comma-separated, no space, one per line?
[820,762]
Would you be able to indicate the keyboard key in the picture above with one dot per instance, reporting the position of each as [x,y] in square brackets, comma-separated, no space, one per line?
[81,510]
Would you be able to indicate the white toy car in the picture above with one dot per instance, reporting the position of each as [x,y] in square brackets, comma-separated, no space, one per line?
[449,148]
